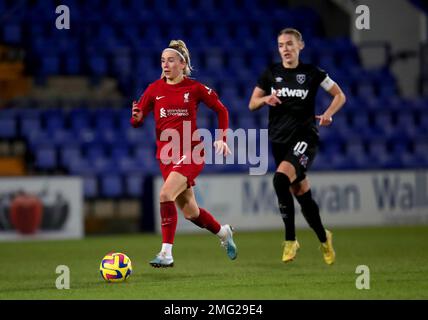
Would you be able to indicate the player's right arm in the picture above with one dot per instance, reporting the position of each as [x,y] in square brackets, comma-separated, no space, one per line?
[142,107]
[259,99]
[260,95]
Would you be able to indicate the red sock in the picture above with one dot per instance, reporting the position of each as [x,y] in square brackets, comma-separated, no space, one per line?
[168,213]
[207,221]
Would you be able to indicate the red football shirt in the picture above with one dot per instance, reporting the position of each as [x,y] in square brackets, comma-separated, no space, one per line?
[175,104]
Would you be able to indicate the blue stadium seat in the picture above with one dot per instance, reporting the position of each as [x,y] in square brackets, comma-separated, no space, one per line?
[374,104]
[143,63]
[419,104]
[67,153]
[131,35]
[90,186]
[134,185]
[62,137]
[87,136]
[415,161]
[80,166]
[45,158]
[383,120]
[29,124]
[378,146]
[388,161]
[360,121]
[214,60]
[355,147]
[119,150]
[136,136]
[388,90]
[145,157]
[54,120]
[111,186]
[392,103]
[247,122]
[348,59]
[72,64]
[366,89]
[122,64]
[98,65]
[327,61]
[50,64]
[204,122]
[236,59]
[420,146]
[265,32]
[332,145]
[128,165]
[103,165]
[12,33]
[79,119]
[400,144]
[342,162]
[322,162]
[423,121]
[124,117]
[153,36]
[229,92]
[94,150]
[104,118]
[8,128]
[110,136]
[35,139]
[406,119]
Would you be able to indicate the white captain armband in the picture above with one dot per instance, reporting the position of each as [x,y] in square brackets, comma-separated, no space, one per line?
[327,83]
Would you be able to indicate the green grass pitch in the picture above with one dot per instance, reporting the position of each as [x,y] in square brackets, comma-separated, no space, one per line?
[397,258]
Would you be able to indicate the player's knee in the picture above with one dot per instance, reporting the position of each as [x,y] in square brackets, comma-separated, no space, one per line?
[299,190]
[288,169]
[165,196]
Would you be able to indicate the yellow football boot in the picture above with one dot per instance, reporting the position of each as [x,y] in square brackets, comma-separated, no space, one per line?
[327,249]
[290,250]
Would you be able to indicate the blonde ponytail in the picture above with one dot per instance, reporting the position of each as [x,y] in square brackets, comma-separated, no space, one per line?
[183,52]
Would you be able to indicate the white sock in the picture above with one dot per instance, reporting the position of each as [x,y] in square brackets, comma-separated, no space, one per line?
[222,233]
[167,248]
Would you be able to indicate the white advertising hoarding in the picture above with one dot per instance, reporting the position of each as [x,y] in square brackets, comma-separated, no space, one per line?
[41,208]
[345,199]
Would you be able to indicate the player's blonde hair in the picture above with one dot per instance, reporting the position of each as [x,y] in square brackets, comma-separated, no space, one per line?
[183,52]
[293,32]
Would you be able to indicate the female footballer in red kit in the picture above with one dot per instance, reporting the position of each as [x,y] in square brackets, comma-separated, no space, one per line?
[174,100]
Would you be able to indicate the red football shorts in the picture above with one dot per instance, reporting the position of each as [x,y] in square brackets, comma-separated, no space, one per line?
[189,170]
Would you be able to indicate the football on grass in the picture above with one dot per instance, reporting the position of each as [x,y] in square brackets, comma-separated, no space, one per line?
[115,267]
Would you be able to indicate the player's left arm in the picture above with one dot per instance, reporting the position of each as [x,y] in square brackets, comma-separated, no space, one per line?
[211,99]
[337,102]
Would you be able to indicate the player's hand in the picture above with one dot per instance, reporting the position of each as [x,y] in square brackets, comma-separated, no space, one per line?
[273,100]
[137,114]
[324,120]
[221,147]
